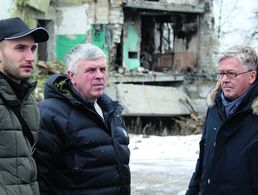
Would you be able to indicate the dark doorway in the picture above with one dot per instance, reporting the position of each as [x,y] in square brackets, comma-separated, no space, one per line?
[43,47]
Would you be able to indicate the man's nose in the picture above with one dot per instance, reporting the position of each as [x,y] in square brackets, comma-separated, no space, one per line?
[99,73]
[224,78]
[30,55]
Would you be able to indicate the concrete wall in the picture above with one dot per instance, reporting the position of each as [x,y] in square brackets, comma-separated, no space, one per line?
[185,58]
[72,20]
[192,2]
[7,6]
[208,43]
[198,91]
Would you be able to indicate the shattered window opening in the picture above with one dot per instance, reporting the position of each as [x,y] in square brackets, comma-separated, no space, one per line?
[133,54]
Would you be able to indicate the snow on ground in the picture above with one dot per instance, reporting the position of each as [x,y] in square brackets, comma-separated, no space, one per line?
[162,165]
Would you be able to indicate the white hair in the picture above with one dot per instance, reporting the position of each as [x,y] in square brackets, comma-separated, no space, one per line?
[246,56]
[82,52]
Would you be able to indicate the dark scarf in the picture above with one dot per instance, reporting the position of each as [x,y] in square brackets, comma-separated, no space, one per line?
[230,106]
[20,89]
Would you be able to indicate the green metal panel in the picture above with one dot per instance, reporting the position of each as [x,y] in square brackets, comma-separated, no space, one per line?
[131,47]
[98,38]
[101,37]
[64,43]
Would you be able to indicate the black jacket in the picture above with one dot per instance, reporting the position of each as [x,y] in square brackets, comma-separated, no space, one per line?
[78,153]
[228,160]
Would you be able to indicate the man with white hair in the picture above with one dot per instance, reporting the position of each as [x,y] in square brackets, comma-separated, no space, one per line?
[83,143]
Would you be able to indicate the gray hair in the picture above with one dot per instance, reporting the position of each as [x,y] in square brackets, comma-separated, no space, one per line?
[82,52]
[246,56]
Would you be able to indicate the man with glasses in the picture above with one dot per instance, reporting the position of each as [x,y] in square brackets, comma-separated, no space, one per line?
[228,159]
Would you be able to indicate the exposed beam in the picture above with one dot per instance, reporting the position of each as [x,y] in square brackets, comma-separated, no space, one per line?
[170,7]
[147,78]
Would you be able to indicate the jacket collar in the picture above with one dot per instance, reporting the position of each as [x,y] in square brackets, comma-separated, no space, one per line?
[214,93]
[11,90]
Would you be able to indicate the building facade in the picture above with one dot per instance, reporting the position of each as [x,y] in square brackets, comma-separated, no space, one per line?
[159,43]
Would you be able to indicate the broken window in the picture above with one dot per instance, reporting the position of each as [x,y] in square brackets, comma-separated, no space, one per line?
[133,54]
[164,37]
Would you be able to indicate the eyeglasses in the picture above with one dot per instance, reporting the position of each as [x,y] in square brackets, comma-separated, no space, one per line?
[231,75]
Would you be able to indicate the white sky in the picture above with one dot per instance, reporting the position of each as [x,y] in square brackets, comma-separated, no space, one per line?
[238,21]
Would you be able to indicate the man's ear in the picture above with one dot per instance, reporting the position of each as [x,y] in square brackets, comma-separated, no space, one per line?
[71,75]
[1,56]
[253,76]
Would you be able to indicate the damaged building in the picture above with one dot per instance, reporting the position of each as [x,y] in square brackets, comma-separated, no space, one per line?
[160,52]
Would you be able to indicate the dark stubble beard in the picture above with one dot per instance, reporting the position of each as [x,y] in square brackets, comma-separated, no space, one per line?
[11,71]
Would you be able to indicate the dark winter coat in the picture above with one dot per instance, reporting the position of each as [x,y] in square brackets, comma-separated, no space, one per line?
[228,160]
[78,153]
[18,172]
